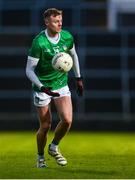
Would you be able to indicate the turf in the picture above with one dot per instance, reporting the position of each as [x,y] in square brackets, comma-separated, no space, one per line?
[91,155]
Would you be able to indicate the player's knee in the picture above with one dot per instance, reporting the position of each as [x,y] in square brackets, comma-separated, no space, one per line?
[67,120]
[45,126]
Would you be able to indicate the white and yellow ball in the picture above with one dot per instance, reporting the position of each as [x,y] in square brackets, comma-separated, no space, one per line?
[62,62]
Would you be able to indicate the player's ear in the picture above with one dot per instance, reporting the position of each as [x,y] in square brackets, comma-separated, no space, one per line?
[46,20]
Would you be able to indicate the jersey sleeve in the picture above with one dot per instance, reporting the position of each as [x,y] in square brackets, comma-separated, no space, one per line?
[67,36]
[35,49]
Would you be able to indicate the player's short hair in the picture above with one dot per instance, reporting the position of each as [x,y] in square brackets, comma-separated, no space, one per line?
[51,12]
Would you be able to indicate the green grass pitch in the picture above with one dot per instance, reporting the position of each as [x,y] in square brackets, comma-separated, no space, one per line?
[91,155]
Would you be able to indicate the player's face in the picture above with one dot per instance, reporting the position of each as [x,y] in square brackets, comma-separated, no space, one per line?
[54,24]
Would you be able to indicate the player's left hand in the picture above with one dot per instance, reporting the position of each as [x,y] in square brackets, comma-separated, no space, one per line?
[79,86]
[49,92]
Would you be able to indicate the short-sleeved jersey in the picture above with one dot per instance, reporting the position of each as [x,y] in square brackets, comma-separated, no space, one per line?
[44,50]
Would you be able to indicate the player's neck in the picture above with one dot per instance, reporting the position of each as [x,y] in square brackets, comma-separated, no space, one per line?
[52,34]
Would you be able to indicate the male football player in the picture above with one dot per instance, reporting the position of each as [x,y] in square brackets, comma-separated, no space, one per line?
[50,84]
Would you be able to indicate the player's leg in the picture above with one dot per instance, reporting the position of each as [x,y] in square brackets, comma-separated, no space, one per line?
[64,109]
[45,124]
[42,103]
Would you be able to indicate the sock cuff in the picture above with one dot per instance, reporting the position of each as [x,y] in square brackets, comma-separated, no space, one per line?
[39,156]
[55,142]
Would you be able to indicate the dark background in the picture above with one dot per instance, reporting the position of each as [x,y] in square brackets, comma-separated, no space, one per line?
[107,60]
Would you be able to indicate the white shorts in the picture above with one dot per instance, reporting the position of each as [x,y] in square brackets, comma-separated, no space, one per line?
[42,99]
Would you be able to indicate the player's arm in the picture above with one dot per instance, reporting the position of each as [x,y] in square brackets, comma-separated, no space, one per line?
[76,68]
[30,67]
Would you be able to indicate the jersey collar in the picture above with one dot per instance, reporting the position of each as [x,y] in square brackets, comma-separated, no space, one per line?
[52,40]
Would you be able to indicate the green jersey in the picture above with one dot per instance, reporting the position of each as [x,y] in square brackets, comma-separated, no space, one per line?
[44,50]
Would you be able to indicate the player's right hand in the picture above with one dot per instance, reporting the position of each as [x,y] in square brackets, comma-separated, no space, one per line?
[49,92]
